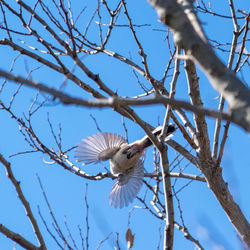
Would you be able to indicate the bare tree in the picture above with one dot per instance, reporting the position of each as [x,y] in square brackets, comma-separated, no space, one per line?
[60,38]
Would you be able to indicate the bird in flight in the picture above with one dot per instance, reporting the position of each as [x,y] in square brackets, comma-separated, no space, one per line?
[126,161]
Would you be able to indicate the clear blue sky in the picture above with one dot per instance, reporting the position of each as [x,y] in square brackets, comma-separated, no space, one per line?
[203,216]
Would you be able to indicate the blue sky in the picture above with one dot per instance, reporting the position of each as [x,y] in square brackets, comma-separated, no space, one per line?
[203,216]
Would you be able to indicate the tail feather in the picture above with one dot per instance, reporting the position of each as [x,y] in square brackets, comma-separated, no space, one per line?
[146,142]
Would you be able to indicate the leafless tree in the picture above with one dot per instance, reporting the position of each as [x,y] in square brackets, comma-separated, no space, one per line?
[57,37]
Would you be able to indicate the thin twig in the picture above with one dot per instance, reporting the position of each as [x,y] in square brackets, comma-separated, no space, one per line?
[57,227]
[48,230]
[188,235]
[87,218]
[171,94]
[236,34]
[102,241]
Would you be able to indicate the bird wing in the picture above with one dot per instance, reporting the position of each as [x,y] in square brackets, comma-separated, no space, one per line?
[127,186]
[98,147]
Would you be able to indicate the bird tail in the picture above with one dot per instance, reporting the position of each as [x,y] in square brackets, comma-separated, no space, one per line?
[146,142]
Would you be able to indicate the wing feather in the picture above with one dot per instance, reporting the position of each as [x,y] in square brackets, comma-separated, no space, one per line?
[89,149]
[127,186]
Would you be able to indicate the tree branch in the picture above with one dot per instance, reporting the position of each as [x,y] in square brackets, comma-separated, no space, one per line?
[25,204]
[223,80]
[169,205]
[17,238]
[116,101]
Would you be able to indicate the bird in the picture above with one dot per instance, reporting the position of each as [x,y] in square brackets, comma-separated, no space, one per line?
[126,161]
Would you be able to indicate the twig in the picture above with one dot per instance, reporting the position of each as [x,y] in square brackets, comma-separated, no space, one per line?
[160,236]
[57,227]
[229,65]
[146,207]
[117,241]
[141,50]
[102,241]
[188,235]
[87,218]
[53,66]
[243,42]
[96,123]
[70,235]
[171,94]
[178,175]
[48,230]
[223,142]
[81,236]
[125,128]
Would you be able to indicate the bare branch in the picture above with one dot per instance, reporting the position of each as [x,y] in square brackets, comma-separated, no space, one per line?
[115,101]
[17,238]
[26,205]
[202,136]
[188,235]
[178,175]
[53,66]
[141,52]
[171,94]
[169,206]
[102,241]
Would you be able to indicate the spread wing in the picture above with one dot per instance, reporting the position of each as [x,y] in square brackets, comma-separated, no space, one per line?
[127,186]
[98,147]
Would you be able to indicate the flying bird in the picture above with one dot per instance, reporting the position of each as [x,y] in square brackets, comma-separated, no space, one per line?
[126,161]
